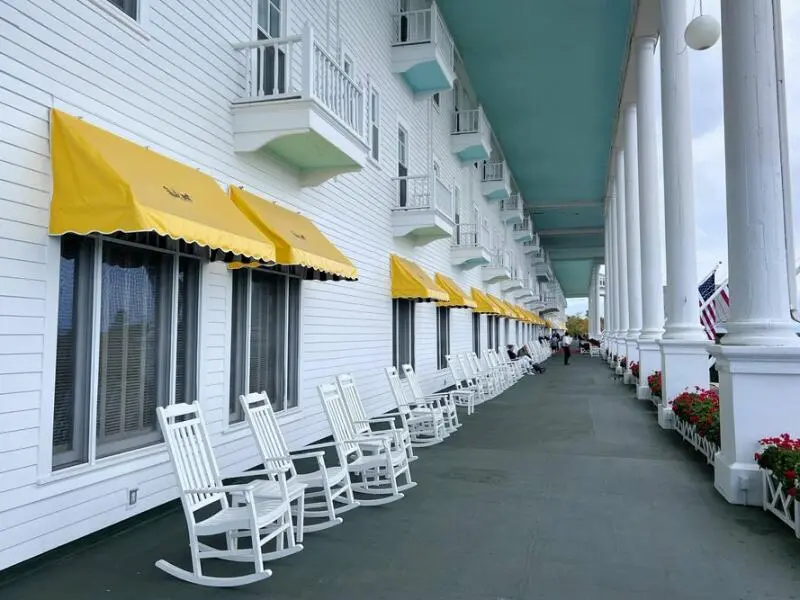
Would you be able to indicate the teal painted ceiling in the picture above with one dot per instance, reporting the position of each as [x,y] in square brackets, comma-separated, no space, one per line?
[549,74]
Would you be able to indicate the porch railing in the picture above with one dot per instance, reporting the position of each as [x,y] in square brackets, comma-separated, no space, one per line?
[297,66]
[512,203]
[424,26]
[526,225]
[470,121]
[493,171]
[417,192]
[467,235]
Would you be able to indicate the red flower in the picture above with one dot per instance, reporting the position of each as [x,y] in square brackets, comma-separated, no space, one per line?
[790,474]
[757,457]
[792,492]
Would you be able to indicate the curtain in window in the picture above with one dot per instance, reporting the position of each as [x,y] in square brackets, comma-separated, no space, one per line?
[267,335]
[187,342]
[134,346]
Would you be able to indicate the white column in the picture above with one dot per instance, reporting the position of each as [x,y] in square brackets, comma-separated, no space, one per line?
[615,266]
[684,357]
[633,238]
[622,252]
[649,206]
[759,359]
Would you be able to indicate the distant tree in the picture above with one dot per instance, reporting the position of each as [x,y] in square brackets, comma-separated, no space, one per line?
[577,325]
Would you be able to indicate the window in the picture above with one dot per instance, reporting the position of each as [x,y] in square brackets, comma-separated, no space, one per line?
[457,212]
[442,336]
[403,333]
[347,65]
[375,124]
[497,333]
[402,163]
[127,342]
[271,67]
[490,331]
[265,339]
[437,101]
[476,333]
[129,7]
[517,333]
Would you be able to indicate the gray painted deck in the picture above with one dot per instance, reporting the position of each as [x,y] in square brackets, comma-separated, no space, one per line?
[562,488]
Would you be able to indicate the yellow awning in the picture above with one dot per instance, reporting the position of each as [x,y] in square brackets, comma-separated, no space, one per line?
[297,240]
[483,304]
[458,299]
[103,183]
[410,282]
[501,307]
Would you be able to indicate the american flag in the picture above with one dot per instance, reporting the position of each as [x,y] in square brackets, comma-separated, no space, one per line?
[714,304]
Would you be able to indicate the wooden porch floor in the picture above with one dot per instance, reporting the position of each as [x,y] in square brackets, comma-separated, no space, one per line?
[562,488]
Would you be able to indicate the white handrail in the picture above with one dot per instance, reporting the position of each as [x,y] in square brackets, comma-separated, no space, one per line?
[421,26]
[423,192]
[470,121]
[493,171]
[467,234]
[297,67]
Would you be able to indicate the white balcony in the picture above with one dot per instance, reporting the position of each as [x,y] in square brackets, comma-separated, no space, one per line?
[539,257]
[526,292]
[498,269]
[302,107]
[423,51]
[469,248]
[495,181]
[511,209]
[532,245]
[512,285]
[523,232]
[544,274]
[471,139]
[423,209]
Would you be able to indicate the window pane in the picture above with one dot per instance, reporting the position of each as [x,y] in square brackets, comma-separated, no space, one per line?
[134,346]
[293,344]
[73,349]
[239,339]
[129,7]
[267,336]
[187,342]
[476,333]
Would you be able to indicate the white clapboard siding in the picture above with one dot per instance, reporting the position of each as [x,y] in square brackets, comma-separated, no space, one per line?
[171,90]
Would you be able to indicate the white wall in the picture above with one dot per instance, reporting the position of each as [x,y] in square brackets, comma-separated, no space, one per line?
[169,85]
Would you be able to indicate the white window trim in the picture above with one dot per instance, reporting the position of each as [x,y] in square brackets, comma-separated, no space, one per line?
[45,472]
[137,26]
[370,89]
[254,18]
[401,122]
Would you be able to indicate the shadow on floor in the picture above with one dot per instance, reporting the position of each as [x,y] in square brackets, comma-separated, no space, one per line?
[563,488]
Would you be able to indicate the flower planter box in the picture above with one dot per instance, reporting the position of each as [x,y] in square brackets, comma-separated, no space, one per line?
[779,503]
[689,433]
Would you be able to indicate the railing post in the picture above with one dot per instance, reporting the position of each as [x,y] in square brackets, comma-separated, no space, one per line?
[308,61]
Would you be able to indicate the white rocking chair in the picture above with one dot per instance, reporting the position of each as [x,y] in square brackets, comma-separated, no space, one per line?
[260,518]
[444,399]
[378,471]
[363,425]
[466,390]
[313,493]
[424,420]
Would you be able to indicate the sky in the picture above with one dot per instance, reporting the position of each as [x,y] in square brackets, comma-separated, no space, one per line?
[708,145]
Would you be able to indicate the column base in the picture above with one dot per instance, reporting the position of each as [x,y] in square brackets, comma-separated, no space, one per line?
[643,391]
[684,366]
[632,348]
[758,398]
[649,363]
[666,417]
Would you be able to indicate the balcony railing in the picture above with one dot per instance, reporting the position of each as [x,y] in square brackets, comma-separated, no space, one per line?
[512,203]
[418,192]
[424,26]
[470,121]
[298,67]
[493,171]
[525,227]
[467,234]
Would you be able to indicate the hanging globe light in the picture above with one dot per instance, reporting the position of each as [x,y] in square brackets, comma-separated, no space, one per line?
[702,33]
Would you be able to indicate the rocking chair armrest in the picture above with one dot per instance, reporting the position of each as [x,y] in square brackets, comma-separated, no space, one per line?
[379,420]
[303,454]
[371,421]
[375,441]
[234,488]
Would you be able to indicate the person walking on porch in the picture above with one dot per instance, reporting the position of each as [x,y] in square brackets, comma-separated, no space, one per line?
[565,344]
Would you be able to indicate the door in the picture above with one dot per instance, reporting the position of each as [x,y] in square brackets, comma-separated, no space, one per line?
[457,213]
[272,61]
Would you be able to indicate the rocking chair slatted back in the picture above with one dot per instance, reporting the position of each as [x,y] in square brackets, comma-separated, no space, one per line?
[397,388]
[455,369]
[352,401]
[413,383]
[341,427]
[267,433]
[191,454]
